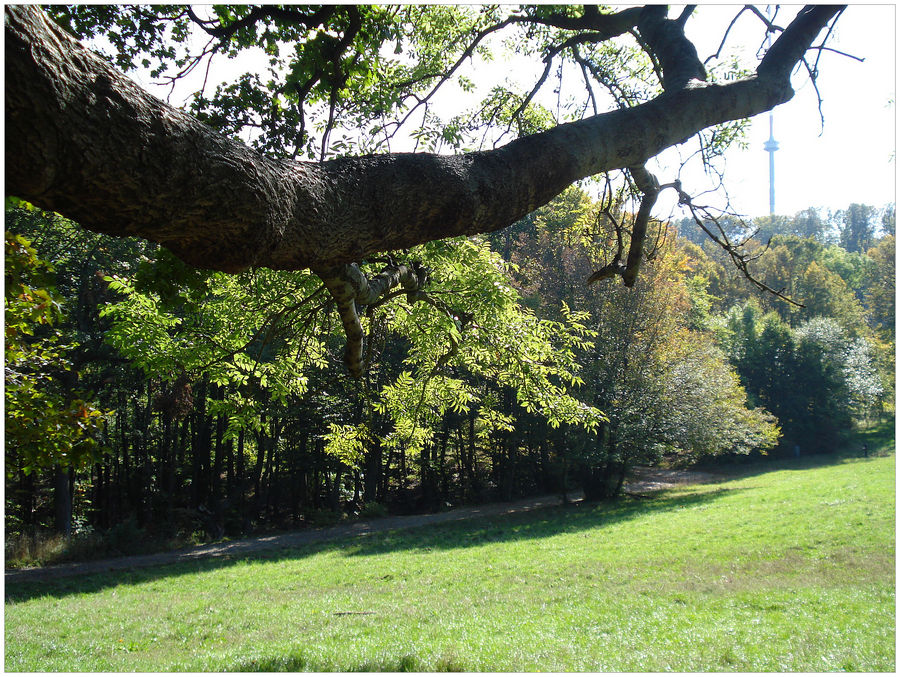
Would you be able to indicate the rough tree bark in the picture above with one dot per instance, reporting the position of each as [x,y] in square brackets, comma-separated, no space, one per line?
[83,140]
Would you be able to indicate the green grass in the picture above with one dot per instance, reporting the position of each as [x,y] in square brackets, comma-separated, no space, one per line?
[789,567]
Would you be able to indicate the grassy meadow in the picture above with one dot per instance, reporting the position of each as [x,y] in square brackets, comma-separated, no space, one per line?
[787,566]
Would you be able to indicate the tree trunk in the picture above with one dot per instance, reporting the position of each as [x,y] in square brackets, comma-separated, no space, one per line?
[271,475]
[216,478]
[229,468]
[239,472]
[271,471]
[261,442]
[372,476]
[167,457]
[471,466]
[100,510]
[335,493]
[461,464]
[201,441]
[124,478]
[298,478]
[62,501]
[443,473]
[403,478]
[180,454]
[547,483]
[116,498]
[621,471]
[386,476]
[146,483]
[88,143]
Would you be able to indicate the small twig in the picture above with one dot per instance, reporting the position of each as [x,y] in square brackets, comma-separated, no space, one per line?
[467,53]
[740,259]
[616,91]
[725,37]
[353,613]
[812,78]
[770,25]
[823,48]
[587,81]
[650,53]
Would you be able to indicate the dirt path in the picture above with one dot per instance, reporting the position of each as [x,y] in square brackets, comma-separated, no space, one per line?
[645,479]
[653,479]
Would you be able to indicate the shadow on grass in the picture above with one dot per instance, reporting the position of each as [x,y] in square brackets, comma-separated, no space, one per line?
[292,662]
[861,446]
[533,525]
[464,533]
[296,662]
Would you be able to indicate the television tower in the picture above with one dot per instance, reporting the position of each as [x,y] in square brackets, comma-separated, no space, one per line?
[771,145]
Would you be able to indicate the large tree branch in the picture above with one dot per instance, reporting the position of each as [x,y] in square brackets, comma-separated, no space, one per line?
[628,271]
[649,187]
[352,290]
[609,25]
[663,38]
[676,54]
[791,45]
[83,140]
[225,32]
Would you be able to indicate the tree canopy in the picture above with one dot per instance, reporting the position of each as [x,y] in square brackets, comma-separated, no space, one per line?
[91,145]
[85,141]
[219,404]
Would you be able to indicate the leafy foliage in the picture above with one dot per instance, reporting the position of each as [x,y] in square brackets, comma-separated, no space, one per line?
[665,387]
[46,423]
[813,378]
[350,79]
[255,332]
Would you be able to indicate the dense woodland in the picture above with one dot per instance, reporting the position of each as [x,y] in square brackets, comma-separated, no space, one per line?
[304,348]
[192,405]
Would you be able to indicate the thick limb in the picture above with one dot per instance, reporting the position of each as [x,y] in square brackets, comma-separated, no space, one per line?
[83,140]
[352,290]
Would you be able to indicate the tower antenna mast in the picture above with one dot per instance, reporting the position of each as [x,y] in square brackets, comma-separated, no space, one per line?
[771,145]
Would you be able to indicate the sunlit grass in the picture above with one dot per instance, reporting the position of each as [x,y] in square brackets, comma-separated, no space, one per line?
[788,568]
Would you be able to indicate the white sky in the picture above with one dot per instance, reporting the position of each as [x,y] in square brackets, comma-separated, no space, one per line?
[852,160]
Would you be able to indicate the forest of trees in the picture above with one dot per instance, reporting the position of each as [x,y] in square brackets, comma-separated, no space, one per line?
[316,325]
[147,396]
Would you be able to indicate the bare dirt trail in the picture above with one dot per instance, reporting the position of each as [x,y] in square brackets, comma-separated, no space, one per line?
[654,479]
[644,480]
